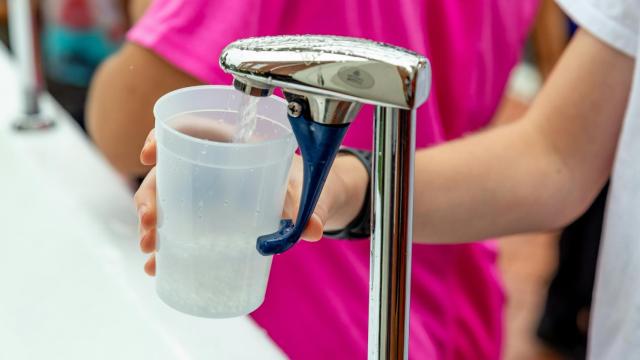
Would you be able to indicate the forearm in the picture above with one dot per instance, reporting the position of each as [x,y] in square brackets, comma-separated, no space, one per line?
[500,182]
[538,173]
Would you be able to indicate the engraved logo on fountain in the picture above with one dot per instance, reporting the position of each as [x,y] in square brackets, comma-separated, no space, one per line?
[356,77]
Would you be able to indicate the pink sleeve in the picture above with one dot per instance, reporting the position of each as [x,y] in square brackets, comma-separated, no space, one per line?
[190,34]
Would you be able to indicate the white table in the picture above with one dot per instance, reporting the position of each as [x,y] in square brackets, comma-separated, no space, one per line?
[71,278]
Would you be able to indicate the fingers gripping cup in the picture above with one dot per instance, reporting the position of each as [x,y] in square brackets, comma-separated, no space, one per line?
[215,197]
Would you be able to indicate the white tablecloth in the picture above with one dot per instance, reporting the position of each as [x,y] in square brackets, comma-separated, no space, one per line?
[71,278]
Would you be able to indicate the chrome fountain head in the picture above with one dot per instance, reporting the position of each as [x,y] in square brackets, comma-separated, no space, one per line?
[326,79]
[333,67]
[252,88]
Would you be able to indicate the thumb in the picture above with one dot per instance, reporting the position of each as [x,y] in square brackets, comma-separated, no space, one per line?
[148,153]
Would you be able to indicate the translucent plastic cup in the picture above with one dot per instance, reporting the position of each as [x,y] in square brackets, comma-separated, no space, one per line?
[216,197]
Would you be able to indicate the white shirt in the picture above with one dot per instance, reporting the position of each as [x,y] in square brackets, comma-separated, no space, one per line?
[615,318]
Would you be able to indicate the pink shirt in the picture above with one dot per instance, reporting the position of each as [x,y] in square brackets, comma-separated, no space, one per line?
[317,298]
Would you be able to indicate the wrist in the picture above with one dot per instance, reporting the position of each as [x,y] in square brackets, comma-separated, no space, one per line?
[353,178]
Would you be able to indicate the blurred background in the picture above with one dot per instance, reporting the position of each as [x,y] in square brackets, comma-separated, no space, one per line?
[75,37]
[548,277]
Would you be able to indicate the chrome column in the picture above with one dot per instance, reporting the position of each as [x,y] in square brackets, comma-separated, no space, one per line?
[391,238]
[24,43]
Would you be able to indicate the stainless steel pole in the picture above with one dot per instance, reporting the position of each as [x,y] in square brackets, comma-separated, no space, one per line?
[392,227]
[24,43]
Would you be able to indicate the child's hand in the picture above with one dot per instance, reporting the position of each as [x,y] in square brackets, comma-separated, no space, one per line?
[339,202]
[145,200]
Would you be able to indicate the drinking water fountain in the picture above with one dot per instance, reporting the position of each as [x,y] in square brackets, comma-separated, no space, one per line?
[326,79]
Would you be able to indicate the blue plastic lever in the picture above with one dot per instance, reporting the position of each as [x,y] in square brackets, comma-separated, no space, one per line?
[319,144]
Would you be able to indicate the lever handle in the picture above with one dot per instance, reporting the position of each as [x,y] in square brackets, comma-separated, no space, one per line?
[319,144]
